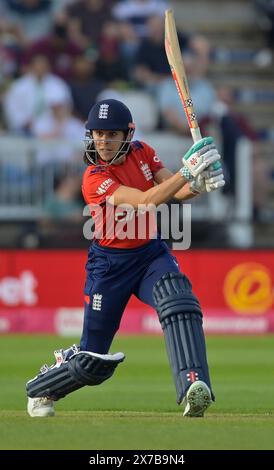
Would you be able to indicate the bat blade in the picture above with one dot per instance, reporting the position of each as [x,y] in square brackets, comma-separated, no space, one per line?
[175,60]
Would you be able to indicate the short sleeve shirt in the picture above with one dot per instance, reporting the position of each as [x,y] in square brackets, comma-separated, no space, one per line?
[115,226]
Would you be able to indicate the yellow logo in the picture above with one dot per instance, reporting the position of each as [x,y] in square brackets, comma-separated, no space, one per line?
[248,288]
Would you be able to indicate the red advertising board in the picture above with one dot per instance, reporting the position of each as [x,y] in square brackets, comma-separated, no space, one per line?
[42,291]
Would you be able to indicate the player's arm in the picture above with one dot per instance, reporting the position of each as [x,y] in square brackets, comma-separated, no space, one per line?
[199,156]
[156,195]
[209,180]
[183,194]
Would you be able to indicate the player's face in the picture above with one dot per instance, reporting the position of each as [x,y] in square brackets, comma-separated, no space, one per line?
[107,143]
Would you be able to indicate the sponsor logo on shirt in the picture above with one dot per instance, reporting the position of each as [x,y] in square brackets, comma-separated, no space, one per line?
[146,171]
[104,186]
[97,169]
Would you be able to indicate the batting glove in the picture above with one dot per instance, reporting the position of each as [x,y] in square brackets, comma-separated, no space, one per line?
[209,180]
[214,177]
[202,154]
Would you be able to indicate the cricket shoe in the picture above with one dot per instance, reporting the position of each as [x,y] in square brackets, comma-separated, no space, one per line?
[40,407]
[197,400]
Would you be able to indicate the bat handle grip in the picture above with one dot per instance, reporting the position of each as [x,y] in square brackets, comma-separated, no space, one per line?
[196,135]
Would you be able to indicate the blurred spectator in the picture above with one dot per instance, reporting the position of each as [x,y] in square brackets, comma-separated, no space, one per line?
[137,12]
[110,65]
[25,100]
[265,8]
[151,61]
[33,16]
[202,93]
[57,123]
[201,47]
[66,202]
[11,46]
[62,4]
[84,85]
[110,92]
[262,187]
[129,45]
[57,47]
[86,19]
[61,224]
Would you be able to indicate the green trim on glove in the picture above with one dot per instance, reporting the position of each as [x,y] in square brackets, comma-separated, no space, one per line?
[184,171]
[196,147]
[215,166]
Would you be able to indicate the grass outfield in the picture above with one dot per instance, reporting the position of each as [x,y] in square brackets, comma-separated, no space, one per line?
[136,409]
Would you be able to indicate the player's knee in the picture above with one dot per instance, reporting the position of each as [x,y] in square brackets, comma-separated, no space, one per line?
[173,295]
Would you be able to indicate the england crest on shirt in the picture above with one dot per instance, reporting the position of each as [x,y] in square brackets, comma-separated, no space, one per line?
[146,171]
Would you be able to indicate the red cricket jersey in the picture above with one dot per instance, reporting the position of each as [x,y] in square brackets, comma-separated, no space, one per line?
[122,227]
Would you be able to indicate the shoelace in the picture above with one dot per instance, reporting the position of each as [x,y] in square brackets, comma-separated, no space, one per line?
[42,401]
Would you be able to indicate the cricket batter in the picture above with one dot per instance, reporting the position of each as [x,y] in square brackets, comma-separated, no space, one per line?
[124,179]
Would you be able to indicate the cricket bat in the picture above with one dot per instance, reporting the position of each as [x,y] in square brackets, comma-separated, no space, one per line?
[175,60]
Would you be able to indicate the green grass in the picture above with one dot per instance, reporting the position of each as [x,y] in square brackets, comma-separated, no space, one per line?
[137,409]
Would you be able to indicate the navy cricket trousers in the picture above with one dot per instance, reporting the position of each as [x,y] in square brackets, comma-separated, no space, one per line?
[113,275]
